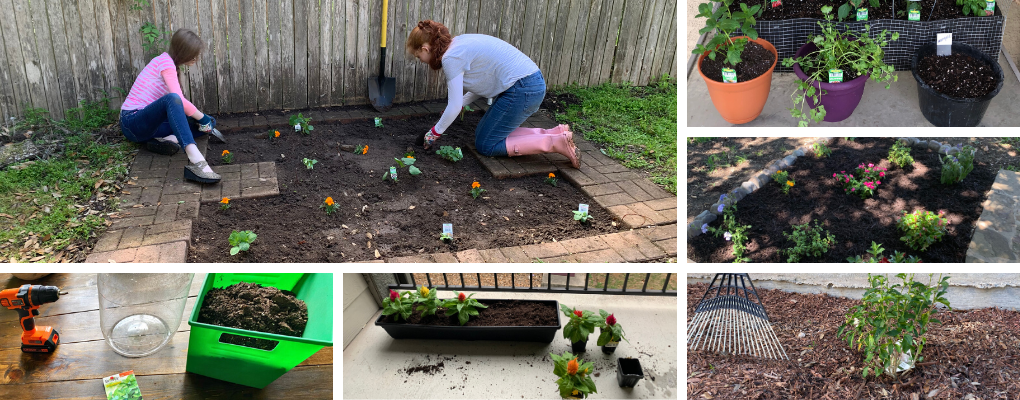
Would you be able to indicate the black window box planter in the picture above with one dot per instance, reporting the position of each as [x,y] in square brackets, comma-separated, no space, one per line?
[542,334]
[983,33]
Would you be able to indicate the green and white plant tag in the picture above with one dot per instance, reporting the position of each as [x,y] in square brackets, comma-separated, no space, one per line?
[612,344]
[914,15]
[835,75]
[990,5]
[582,207]
[448,229]
[393,173]
[297,127]
[862,14]
[944,44]
[729,75]
[378,122]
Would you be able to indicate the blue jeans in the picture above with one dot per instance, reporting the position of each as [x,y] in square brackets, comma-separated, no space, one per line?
[508,111]
[161,118]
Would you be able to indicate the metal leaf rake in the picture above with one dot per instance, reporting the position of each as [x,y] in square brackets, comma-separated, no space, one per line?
[731,322]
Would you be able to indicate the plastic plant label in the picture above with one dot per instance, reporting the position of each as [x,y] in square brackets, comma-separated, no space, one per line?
[612,344]
[835,75]
[297,127]
[729,75]
[944,44]
[582,208]
[914,15]
[393,173]
[378,122]
[990,5]
[448,229]
[862,14]
[777,3]
[122,386]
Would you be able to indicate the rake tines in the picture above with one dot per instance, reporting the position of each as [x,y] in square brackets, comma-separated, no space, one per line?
[731,323]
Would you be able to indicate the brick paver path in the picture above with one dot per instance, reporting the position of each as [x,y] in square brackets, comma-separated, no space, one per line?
[158,205]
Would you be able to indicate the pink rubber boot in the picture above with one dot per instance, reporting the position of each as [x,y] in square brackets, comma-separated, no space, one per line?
[540,131]
[523,145]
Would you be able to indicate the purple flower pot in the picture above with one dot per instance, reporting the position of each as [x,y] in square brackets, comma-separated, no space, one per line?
[839,99]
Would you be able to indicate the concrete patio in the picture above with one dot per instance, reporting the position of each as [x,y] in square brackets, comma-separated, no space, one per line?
[375,365]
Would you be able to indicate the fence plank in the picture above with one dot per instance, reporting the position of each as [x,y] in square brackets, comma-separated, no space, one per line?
[121,44]
[561,45]
[207,61]
[612,38]
[47,63]
[421,79]
[249,90]
[403,66]
[300,25]
[534,22]
[86,10]
[488,17]
[460,13]
[583,7]
[662,39]
[374,35]
[61,55]
[338,65]
[135,19]
[650,18]
[30,59]
[548,36]
[189,19]
[275,52]
[221,55]
[627,52]
[7,100]
[473,13]
[350,50]
[259,89]
[325,52]
[436,88]
[667,66]
[590,37]
[312,22]
[15,59]
[235,55]
[357,92]
[287,53]
[597,47]
[394,44]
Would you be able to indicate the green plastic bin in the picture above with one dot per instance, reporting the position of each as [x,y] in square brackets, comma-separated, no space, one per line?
[209,356]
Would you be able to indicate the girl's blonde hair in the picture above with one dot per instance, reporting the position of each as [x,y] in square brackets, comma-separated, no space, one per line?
[185,46]
[433,33]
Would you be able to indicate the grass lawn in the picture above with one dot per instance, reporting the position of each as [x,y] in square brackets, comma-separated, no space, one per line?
[636,125]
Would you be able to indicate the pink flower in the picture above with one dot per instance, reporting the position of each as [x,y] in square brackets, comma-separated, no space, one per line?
[611,320]
[578,313]
[393,295]
[842,172]
[882,174]
[851,175]
[833,174]
[871,165]
[879,183]
[853,189]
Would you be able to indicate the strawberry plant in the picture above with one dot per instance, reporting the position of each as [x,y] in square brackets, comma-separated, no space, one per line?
[301,124]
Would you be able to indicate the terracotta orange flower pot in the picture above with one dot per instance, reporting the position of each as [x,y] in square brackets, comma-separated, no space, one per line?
[741,102]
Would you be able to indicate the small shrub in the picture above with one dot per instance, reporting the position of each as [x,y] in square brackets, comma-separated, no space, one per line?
[731,231]
[955,168]
[876,256]
[698,140]
[892,320]
[808,242]
[783,179]
[865,183]
[821,150]
[89,115]
[922,228]
[900,155]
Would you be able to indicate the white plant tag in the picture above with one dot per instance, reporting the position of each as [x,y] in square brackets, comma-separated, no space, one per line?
[393,173]
[729,75]
[835,75]
[448,229]
[582,208]
[944,44]
[862,14]
[914,15]
[297,127]
[989,5]
[612,344]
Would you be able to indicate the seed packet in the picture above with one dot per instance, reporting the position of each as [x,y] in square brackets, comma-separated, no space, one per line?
[122,386]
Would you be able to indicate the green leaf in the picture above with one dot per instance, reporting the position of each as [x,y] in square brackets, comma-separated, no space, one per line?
[844,11]
[413,170]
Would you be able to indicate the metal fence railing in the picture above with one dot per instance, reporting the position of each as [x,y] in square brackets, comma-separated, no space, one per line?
[409,282]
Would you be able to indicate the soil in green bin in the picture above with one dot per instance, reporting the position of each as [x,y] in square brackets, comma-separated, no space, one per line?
[382,219]
[254,307]
[499,313]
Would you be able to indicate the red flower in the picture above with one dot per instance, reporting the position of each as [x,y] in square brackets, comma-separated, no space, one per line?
[577,313]
[883,260]
[461,297]
[393,295]
[611,320]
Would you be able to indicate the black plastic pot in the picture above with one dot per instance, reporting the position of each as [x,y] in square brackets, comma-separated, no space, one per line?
[542,334]
[578,347]
[610,347]
[628,371]
[944,110]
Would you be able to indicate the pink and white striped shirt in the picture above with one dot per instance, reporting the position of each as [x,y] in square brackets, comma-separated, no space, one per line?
[157,79]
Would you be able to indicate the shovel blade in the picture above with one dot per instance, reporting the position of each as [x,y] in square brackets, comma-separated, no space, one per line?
[381,91]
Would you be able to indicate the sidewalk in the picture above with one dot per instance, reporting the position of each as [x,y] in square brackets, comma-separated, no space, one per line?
[375,364]
[897,106]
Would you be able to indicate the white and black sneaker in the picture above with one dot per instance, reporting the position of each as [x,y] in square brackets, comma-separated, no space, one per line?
[164,147]
[194,172]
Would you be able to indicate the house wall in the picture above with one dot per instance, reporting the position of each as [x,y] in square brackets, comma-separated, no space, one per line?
[359,306]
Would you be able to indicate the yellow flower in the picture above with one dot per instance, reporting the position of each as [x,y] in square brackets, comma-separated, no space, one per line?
[277,134]
[225,152]
[424,291]
[475,185]
[365,150]
[572,366]
[789,183]
[552,175]
[329,201]
[411,157]
[575,392]
[225,201]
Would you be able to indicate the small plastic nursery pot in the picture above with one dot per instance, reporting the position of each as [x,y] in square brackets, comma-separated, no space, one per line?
[610,347]
[628,371]
[741,102]
[840,99]
[542,334]
[944,110]
[209,356]
[579,347]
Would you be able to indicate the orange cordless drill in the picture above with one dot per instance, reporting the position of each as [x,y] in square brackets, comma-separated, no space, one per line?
[26,301]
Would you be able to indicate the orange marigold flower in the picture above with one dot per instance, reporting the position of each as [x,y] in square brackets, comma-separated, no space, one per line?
[790,184]
[225,152]
[277,134]
[552,175]
[365,150]
[572,366]
[475,185]
[329,201]
[225,200]
[411,157]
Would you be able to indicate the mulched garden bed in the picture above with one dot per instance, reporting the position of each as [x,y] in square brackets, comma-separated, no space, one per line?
[395,219]
[755,62]
[855,222]
[499,313]
[813,9]
[973,352]
[957,75]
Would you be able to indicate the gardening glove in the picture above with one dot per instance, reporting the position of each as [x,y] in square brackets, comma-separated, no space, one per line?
[206,124]
[430,137]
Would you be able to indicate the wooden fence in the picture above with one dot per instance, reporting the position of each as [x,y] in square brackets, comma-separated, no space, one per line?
[293,54]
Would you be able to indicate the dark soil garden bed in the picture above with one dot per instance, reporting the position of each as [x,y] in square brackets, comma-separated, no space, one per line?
[813,9]
[755,61]
[392,218]
[254,307]
[957,75]
[973,352]
[499,313]
[855,222]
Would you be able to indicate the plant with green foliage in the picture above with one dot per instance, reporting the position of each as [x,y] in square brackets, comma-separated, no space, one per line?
[575,378]
[446,237]
[139,5]
[241,241]
[609,329]
[89,115]
[397,306]
[922,228]
[899,154]
[426,300]
[309,163]
[154,39]
[782,179]
[463,306]
[582,217]
[551,179]
[876,256]
[891,321]
[852,5]
[730,230]
[975,7]
[580,325]
[725,22]
[450,153]
[955,168]
[808,241]
[821,150]
[848,50]
[301,124]
[698,140]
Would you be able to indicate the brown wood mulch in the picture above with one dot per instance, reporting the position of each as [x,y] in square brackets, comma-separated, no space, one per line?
[973,354]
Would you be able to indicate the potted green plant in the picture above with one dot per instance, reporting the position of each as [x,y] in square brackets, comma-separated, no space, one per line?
[575,377]
[433,319]
[738,82]
[610,333]
[581,324]
[832,69]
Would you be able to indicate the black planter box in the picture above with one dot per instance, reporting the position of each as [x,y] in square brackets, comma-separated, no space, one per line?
[984,33]
[542,334]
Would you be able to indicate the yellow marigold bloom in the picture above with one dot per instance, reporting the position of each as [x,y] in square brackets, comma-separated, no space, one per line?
[365,150]
[575,392]
[225,152]
[475,185]
[411,157]
[572,366]
[277,134]
[329,201]
[225,200]
[424,291]
[789,183]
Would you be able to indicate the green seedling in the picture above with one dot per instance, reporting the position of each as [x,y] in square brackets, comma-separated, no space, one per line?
[309,163]
[450,153]
[241,241]
[582,216]
[446,237]
[301,124]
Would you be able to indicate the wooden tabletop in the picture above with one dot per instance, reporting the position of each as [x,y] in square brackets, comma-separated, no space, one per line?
[77,368]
